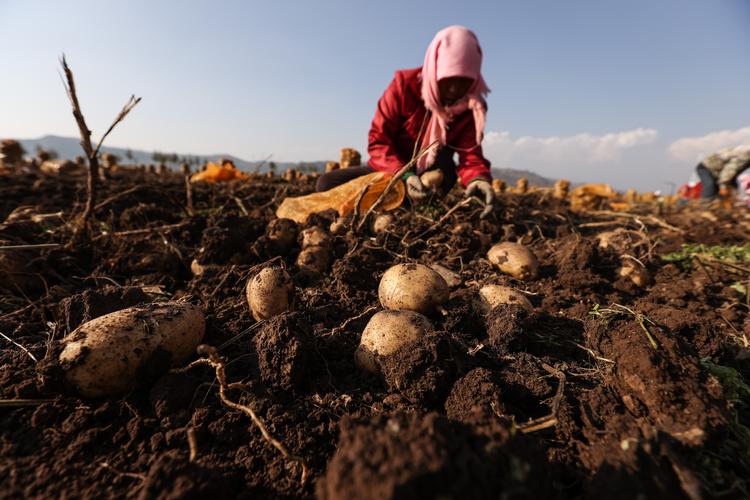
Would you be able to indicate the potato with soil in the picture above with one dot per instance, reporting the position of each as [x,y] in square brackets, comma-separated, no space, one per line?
[491,296]
[382,222]
[316,250]
[114,353]
[269,293]
[432,179]
[413,287]
[386,332]
[282,235]
[514,259]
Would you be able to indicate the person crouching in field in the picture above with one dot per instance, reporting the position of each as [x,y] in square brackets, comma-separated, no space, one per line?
[719,172]
[442,101]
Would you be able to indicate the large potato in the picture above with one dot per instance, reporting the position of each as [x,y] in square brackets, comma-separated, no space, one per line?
[491,296]
[386,332]
[514,259]
[111,354]
[412,287]
[269,293]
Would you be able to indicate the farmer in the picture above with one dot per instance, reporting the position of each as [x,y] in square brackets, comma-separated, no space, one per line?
[719,171]
[442,101]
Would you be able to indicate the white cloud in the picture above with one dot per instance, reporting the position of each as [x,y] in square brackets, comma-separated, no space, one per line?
[693,149]
[582,148]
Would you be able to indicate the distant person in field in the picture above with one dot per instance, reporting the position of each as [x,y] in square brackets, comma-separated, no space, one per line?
[719,172]
[442,101]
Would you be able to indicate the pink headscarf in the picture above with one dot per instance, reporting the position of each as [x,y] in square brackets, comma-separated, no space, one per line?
[454,51]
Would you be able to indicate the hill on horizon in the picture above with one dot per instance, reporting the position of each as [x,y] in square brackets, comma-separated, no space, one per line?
[69,148]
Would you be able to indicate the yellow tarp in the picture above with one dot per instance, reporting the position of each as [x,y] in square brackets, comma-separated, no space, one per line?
[219,173]
[343,198]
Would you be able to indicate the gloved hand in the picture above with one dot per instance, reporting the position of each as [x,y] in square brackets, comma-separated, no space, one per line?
[724,191]
[482,189]
[415,189]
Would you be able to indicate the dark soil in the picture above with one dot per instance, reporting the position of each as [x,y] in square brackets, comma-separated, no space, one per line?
[567,401]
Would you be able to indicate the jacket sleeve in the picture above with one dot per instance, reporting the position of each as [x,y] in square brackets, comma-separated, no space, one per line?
[471,161]
[385,125]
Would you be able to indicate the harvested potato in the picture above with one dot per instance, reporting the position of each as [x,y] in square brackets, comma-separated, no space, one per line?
[315,237]
[499,186]
[636,271]
[514,259]
[412,287]
[282,235]
[432,179]
[451,279]
[491,296]
[382,222]
[314,258]
[386,332]
[112,354]
[338,226]
[621,240]
[269,293]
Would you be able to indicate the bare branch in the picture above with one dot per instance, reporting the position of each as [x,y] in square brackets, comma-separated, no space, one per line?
[120,117]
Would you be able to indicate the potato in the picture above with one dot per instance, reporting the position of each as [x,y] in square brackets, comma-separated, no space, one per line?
[338,226]
[382,222]
[499,186]
[314,258]
[412,287]
[514,259]
[621,240]
[637,273]
[269,293]
[491,296]
[432,179]
[451,279]
[282,235]
[386,332]
[315,237]
[111,354]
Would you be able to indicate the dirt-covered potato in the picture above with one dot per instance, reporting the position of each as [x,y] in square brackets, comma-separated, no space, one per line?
[386,332]
[270,292]
[514,259]
[315,237]
[621,240]
[338,226]
[634,270]
[412,287]
[491,296]
[314,258]
[451,279]
[382,222]
[114,353]
[432,179]
[282,235]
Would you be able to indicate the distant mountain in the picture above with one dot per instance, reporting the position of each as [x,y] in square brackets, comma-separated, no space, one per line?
[69,148]
[511,176]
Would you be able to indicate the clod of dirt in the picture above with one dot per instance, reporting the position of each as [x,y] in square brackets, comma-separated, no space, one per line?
[228,241]
[83,307]
[172,392]
[475,398]
[284,346]
[315,259]
[635,272]
[622,241]
[15,271]
[174,476]
[422,372]
[506,325]
[426,456]
[338,226]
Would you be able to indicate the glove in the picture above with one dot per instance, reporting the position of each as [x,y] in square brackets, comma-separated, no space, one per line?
[482,189]
[415,189]
[724,191]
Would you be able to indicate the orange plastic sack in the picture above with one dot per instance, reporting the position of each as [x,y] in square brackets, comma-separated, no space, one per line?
[342,198]
[219,173]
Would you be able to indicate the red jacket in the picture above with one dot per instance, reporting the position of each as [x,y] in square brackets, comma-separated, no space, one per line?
[397,122]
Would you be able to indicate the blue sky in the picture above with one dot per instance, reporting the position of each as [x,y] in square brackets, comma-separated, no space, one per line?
[631,93]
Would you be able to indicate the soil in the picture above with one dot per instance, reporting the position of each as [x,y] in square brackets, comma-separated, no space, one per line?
[605,389]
